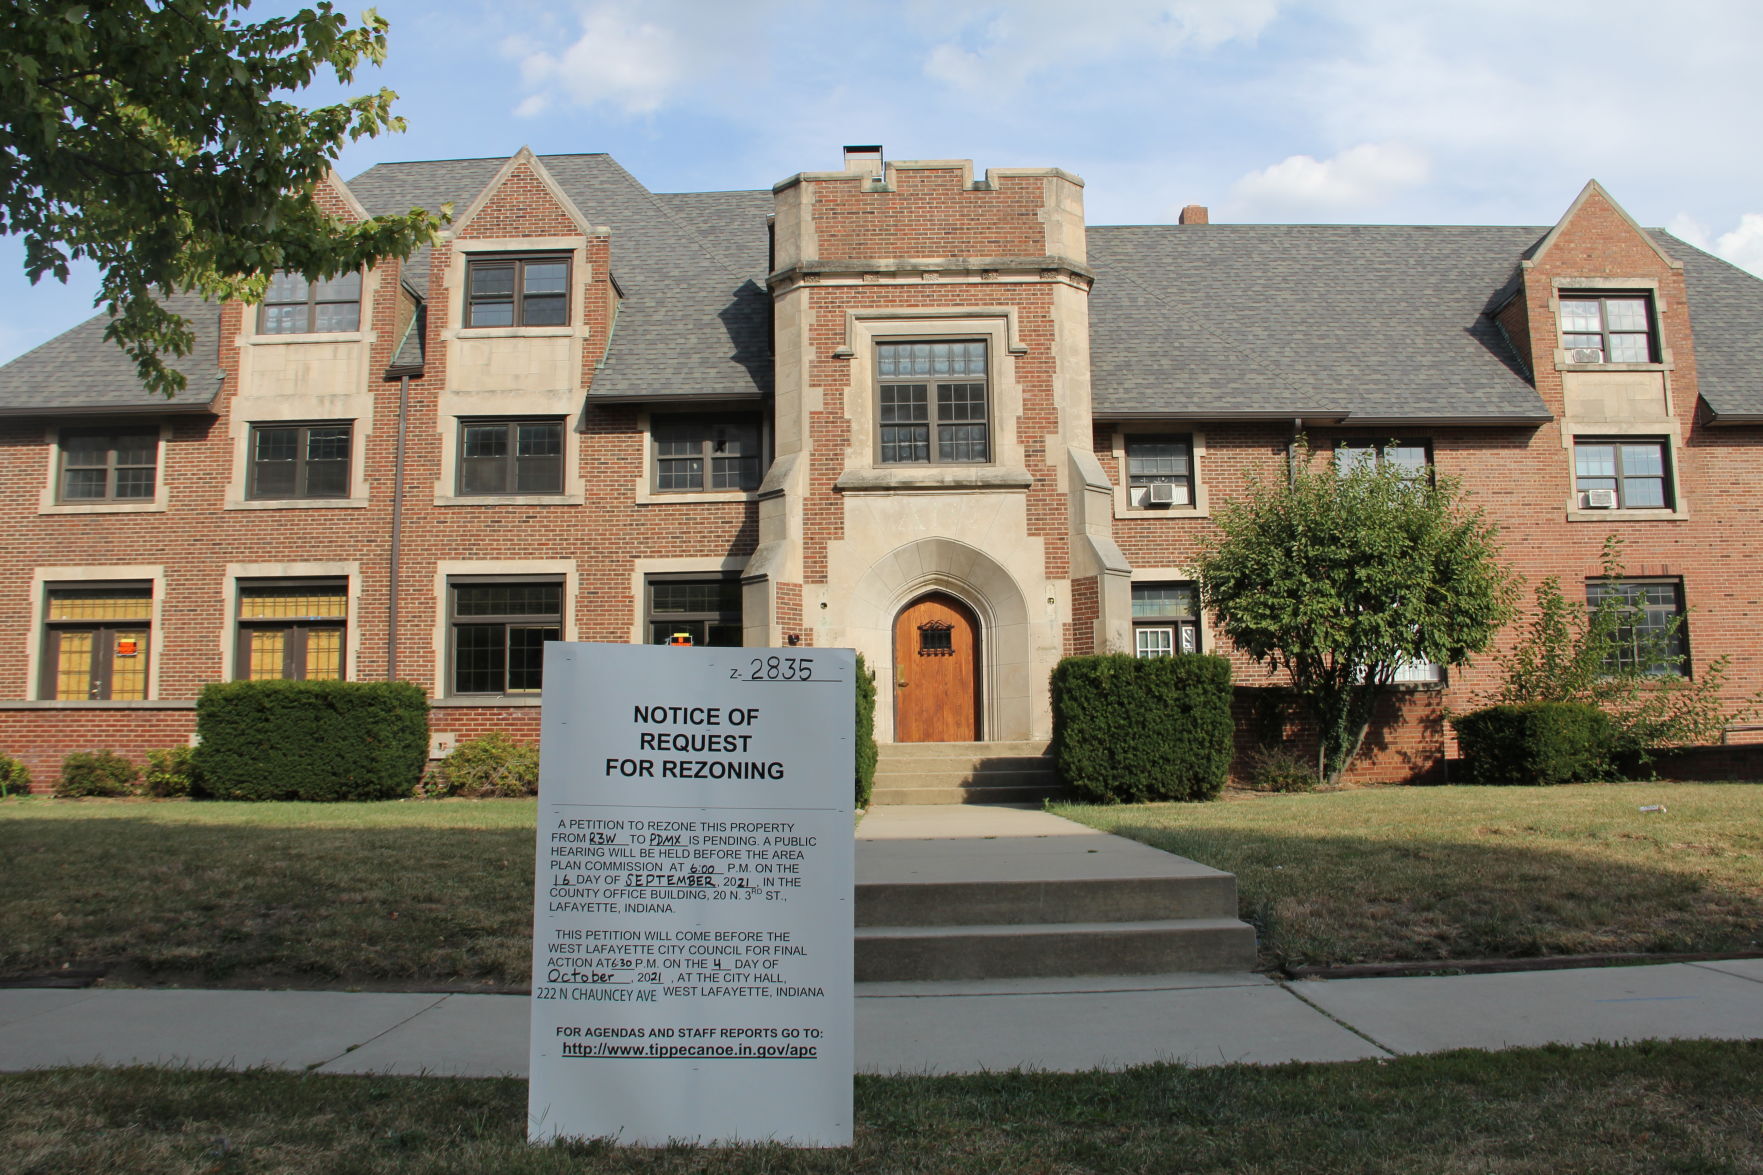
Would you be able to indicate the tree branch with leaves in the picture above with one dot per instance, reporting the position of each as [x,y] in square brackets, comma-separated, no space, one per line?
[1340,578]
[1601,653]
[155,139]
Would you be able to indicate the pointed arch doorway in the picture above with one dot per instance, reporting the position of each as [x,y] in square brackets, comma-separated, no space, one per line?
[936,671]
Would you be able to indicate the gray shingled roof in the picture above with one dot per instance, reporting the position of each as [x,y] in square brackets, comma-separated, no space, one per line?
[1360,322]
[80,371]
[1726,312]
[695,319]
[1353,322]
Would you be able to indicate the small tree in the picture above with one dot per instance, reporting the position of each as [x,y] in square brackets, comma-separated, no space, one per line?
[1593,652]
[1340,578]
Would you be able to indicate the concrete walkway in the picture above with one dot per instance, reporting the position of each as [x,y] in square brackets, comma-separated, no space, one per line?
[1051,1024]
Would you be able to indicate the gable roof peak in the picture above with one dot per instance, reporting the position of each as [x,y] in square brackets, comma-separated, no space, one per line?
[546,179]
[1595,190]
[334,180]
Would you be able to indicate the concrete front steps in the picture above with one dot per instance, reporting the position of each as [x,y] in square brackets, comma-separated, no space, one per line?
[1033,897]
[964,773]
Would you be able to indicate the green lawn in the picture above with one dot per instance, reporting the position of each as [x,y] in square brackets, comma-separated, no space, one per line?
[423,894]
[1420,874]
[1693,1106]
[437,894]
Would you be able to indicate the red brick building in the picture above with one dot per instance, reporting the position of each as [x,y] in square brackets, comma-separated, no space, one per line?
[934,417]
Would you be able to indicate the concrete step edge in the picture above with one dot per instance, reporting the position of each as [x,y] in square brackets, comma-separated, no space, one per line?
[989,795]
[1037,929]
[957,763]
[964,779]
[1025,903]
[963,750]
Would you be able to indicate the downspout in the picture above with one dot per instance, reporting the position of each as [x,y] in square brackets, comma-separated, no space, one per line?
[392,588]
[1292,450]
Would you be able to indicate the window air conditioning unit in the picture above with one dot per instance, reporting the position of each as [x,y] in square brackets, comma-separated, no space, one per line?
[1586,355]
[1163,494]
[1599,500]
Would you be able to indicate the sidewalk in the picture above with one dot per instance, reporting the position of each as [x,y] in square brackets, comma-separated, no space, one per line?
[1050,1024]
[943,1028]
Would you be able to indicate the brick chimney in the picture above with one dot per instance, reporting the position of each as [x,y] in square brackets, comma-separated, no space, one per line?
[1194,214]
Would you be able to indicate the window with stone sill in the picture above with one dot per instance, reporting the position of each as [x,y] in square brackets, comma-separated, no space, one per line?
[1650,631]
[698,453]
[933,403]
[705,608]
[1608,328]
[299,461]
[517,291]
[510,457]
[1165,619]
[294,306]
[108,465]
[1622,473]
[292,631]
[496,633]
[1154,459]
[96,642]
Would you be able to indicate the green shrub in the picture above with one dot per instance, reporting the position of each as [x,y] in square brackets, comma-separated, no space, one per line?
[310,740]
[97,773]
[15,777]
[1538,743]
[1130,730]
[171,771]
[1279,768]
[489,765]
[866,748]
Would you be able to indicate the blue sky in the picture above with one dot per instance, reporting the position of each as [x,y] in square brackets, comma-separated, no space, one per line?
[1445,112]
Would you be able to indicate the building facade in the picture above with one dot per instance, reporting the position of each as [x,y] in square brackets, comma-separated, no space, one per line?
[895,407]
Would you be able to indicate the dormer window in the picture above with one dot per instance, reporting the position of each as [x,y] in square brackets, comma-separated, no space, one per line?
[294,306]
[1609,328]
[517,291]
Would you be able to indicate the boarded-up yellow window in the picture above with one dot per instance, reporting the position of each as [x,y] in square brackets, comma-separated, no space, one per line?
[292,631]
[97,643]
[101,604]
[302,603]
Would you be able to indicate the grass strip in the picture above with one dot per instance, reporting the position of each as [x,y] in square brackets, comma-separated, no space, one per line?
[1694,1106]
[437,895]
[420,894]
[1418,874]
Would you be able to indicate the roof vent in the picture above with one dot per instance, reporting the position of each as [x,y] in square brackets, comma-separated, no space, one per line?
[866,159]
[1192,214]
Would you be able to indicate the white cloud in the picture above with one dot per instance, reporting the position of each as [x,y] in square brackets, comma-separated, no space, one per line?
[620,59]
[1518,103]
[1688,228]
[1352,181]
[1001,47]
[1743,245]
[635,58]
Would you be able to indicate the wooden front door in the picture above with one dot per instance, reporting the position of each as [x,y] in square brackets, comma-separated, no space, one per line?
[936,672]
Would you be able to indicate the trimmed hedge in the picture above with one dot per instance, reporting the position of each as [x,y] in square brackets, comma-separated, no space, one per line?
[866,748]
[1537,743]
[310,740]
[1131,730]
[97,773]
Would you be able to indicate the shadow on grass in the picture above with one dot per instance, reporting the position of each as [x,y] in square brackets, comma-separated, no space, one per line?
[158,900]
[1334,898]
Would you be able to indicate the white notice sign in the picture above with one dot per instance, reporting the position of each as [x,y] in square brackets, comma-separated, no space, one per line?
[692,896]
